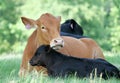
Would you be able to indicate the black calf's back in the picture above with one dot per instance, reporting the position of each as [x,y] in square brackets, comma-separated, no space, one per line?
[72,35]
[58,64]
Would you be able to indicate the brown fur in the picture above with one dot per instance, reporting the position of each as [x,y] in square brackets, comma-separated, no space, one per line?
[81,48]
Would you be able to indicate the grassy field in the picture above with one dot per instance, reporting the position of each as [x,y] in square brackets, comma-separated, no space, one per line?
[9,66]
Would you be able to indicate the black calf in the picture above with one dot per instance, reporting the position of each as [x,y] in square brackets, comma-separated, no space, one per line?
[72,35]
[71,26]
[61,65]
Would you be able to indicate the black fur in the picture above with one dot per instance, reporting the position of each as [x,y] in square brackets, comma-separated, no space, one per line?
[72,35]
[71,26]
[59,65]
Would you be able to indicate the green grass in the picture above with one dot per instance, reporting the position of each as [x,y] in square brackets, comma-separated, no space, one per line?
[9,67]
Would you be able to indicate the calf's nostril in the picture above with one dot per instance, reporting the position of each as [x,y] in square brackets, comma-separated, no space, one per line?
[58,41]
[55,41]
[31,62]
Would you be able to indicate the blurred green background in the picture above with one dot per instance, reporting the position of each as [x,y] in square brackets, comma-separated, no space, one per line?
[100,20]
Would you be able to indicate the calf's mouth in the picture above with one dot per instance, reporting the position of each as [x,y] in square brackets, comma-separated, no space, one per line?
[57,47]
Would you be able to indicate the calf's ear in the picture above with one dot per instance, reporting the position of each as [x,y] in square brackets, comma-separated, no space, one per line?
[72,24]
[29,23]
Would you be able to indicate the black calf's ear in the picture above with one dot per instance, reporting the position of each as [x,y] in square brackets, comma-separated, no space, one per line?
[71,26]
[72,23]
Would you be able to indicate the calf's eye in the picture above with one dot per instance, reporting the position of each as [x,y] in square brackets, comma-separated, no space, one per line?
[43,28]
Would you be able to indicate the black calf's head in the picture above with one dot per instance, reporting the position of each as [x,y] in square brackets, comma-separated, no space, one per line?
[39,57]
[71,26]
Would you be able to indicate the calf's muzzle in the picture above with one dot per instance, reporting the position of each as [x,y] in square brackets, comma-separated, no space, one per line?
[57,43]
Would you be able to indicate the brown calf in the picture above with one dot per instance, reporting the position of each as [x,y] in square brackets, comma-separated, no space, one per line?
[81,48]
[47,33]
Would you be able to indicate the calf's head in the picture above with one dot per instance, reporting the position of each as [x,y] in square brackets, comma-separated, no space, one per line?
[48,30]
[71,26]
[40,56]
